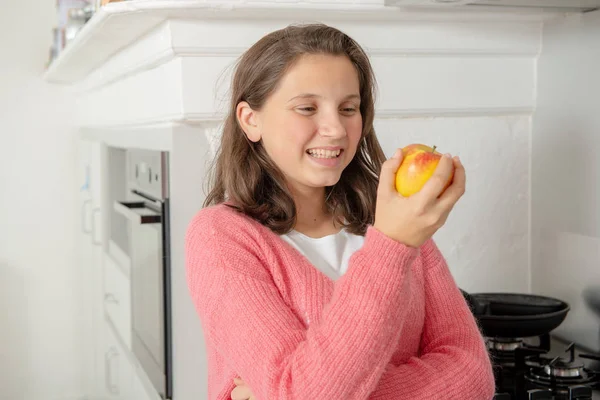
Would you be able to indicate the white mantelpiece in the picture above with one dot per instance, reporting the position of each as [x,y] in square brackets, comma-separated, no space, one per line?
[190,83]
[118,25]
[154,74]
[173,62]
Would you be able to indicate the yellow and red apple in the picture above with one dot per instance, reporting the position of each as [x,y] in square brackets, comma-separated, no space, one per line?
[418,164]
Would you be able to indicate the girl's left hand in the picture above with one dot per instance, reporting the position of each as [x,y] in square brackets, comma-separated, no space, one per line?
[241,391]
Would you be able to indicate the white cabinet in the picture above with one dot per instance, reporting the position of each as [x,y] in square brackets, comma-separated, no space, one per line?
[123,377]
[118,372]
[90,250]
[117,298]
[112,371]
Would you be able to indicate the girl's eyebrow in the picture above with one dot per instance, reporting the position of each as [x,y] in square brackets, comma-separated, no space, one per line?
[312,96]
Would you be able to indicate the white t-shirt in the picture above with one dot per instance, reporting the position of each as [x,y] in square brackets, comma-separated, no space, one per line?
[330,254]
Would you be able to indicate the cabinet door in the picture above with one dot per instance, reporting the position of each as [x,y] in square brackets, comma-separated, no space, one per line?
[124,378]
[118,372]
[99,193]
[117,299]
[91,187]
[90,243]
[84,166]
[86,259]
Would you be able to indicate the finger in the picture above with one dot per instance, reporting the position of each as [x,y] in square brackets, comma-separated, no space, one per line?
[387,177]
[242,392]
[436,183]
[456,189]
[238,381]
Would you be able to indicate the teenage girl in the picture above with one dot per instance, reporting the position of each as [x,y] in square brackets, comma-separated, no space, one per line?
[312,277]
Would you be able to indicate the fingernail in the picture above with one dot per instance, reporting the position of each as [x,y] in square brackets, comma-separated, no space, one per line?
[448,155]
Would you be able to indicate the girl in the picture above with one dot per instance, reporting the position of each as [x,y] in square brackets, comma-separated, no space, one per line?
[313,278]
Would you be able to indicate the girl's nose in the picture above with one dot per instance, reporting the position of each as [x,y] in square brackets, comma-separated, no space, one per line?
[331,126]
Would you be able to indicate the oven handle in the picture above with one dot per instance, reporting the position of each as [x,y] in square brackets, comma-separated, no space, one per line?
[128,210]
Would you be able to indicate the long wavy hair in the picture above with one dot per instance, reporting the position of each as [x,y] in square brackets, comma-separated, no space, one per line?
[244,176]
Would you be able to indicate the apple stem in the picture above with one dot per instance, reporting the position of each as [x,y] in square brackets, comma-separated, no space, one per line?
[434,147]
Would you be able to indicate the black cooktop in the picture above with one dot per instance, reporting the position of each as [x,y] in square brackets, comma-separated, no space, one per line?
[543,367]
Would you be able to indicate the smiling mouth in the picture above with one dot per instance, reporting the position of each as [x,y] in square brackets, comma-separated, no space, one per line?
[320,153]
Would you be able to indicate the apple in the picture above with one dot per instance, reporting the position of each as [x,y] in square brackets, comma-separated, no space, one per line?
[417,166]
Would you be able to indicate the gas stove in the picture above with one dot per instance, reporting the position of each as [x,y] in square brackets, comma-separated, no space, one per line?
[543,367]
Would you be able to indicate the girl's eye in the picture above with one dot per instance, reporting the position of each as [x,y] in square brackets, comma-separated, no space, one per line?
[307,109]
[348,110]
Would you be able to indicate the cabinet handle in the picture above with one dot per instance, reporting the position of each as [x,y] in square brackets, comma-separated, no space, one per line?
[94,240]
[84,228]
[112,388]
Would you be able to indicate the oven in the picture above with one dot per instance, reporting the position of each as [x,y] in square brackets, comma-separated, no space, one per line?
[141,229]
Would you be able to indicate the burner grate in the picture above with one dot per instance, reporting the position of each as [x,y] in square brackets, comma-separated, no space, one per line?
[526,372]
[559,373]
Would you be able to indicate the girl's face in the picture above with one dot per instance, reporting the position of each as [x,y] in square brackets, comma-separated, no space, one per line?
[311,125]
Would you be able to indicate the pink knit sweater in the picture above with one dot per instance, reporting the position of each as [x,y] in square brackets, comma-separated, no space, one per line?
[394,326]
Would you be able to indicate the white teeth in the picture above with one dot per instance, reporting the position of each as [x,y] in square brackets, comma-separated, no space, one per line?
[320,153]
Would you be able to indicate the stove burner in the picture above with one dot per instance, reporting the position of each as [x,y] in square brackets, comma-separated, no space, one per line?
[558,371]
[561,369]
[541,376]
[524,371]
[508,353]
[564,377]
[504,344]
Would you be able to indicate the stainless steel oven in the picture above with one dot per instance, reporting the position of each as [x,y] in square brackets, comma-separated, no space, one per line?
[144,232]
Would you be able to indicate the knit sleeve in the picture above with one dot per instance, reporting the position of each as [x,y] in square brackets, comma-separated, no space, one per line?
[453,361]
[245,318]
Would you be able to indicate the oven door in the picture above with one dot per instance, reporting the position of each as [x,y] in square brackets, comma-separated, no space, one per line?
[148,290]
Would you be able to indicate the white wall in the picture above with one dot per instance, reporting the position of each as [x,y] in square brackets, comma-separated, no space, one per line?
[39,281]
[566,172]
[485,239]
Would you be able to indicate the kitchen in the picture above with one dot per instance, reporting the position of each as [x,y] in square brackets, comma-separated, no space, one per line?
[493,84]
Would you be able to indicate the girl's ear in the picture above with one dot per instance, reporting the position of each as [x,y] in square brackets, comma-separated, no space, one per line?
[248,120]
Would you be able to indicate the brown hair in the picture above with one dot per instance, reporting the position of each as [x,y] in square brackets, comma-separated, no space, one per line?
[244,176]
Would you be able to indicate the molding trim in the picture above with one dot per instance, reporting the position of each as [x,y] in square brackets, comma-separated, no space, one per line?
[452,112]
[161,57]
[203,51]
[165,55]
[373,52]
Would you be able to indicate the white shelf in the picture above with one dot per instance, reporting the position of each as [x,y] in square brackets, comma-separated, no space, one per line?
[119,24]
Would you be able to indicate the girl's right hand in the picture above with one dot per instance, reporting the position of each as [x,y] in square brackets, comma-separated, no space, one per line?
[241,390]
[413,220]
